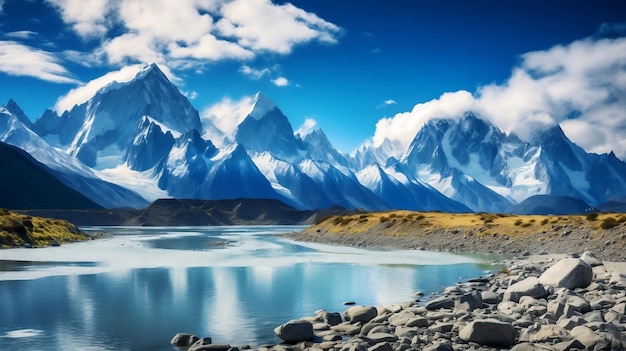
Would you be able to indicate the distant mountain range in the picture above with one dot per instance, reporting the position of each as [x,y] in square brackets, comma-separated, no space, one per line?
[142,140]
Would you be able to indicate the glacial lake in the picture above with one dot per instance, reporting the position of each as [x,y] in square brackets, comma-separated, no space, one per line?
[138,286]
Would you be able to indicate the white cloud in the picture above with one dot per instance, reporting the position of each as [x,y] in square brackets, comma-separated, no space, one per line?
[263,26]
[403,126]
[280,82]
[227,114]
[184,32]
[88,18]
[307,127]
[21,60]
[21,34]
[254,73]
[86,91]
[581,86]
[386,103]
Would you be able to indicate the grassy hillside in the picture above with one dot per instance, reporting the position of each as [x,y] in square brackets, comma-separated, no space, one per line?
[399,223]
[602,233]
[17,229]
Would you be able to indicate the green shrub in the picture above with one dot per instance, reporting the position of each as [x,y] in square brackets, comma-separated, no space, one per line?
[592,216]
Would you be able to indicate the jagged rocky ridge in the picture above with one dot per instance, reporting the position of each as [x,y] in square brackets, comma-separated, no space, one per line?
[145,136]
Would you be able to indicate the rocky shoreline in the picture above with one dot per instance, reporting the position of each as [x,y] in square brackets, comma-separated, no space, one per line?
[573,303]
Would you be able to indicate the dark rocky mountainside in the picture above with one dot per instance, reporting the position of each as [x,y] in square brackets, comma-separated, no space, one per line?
[26,183]
[186,212]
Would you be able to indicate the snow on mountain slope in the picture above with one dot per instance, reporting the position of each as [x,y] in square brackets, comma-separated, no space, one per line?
[297,188]
[340,188]
[266,128]
[151,143]
[113,114]
[145,129]
[319,148]
[367,155]
[67,169]
[471,161]
[222,120]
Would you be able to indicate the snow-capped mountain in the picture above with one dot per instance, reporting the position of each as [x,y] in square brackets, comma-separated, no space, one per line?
[105,125]
[473,162]
[402,192]
[69,170]
[146,137]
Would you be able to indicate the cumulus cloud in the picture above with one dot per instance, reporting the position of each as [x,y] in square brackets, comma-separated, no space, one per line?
[307,127]
[580,86]
[86,91]
[21,60]
[280,82]
[227,114]
[403,126]
[185,32]
[88,18]
[263,26]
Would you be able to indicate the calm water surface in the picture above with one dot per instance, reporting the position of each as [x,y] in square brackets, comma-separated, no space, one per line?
[139,287]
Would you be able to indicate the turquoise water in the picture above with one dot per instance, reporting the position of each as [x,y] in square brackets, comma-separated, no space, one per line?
[136,289]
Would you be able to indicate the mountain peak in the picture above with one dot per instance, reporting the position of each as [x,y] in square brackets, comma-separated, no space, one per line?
[16,111]
[261,105]
[150,70]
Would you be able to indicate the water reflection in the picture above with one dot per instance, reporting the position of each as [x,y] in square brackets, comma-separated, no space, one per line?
[141,308]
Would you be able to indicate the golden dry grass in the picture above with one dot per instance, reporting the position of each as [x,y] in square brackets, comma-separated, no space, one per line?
[18,229]
[408,222]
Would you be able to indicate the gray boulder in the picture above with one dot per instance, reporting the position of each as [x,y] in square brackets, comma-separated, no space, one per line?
[205,344]
[590,258]
[440,302]
[490,332]
[490,297]
[438,347]
[570,273]
[295,331]
[382,346]
[545,333]
[586,336]
[528,287]
[331,318]
[183,339]
[361,314]
[473,300]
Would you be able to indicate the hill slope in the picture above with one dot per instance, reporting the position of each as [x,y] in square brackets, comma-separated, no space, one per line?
[18,229]
[27,184]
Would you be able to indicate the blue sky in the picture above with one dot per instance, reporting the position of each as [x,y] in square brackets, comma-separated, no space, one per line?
[361,70]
